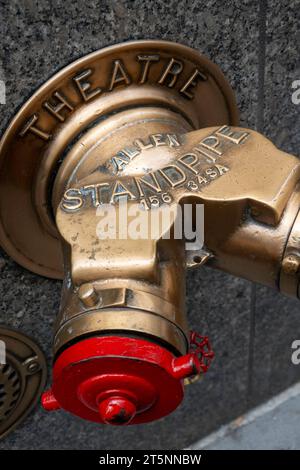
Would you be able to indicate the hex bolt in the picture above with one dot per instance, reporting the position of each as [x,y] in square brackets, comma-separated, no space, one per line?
[290,264]
[33,367]
[88,295]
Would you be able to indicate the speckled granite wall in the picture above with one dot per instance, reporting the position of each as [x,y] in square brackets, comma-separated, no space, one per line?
[251,328]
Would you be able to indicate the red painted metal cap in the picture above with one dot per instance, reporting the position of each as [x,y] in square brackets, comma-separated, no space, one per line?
[119,380]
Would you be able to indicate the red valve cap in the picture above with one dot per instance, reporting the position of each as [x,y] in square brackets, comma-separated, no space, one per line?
[119,380]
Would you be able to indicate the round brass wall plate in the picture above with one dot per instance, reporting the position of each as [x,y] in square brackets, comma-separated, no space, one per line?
[23,372]
[109,80]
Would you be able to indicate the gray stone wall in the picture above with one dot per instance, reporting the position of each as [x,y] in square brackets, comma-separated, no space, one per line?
[251,328]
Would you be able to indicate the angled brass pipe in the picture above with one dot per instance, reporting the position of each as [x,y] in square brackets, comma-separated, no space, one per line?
[153,124]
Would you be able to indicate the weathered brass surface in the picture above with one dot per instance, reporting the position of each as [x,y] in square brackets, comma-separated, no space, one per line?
[22,378]
[155,123]
[81,95]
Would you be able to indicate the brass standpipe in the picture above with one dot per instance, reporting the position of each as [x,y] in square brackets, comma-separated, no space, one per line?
[154,125]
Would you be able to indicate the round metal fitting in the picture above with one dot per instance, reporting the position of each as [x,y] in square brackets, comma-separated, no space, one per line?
[289,274]
[23,372]
[102,84]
